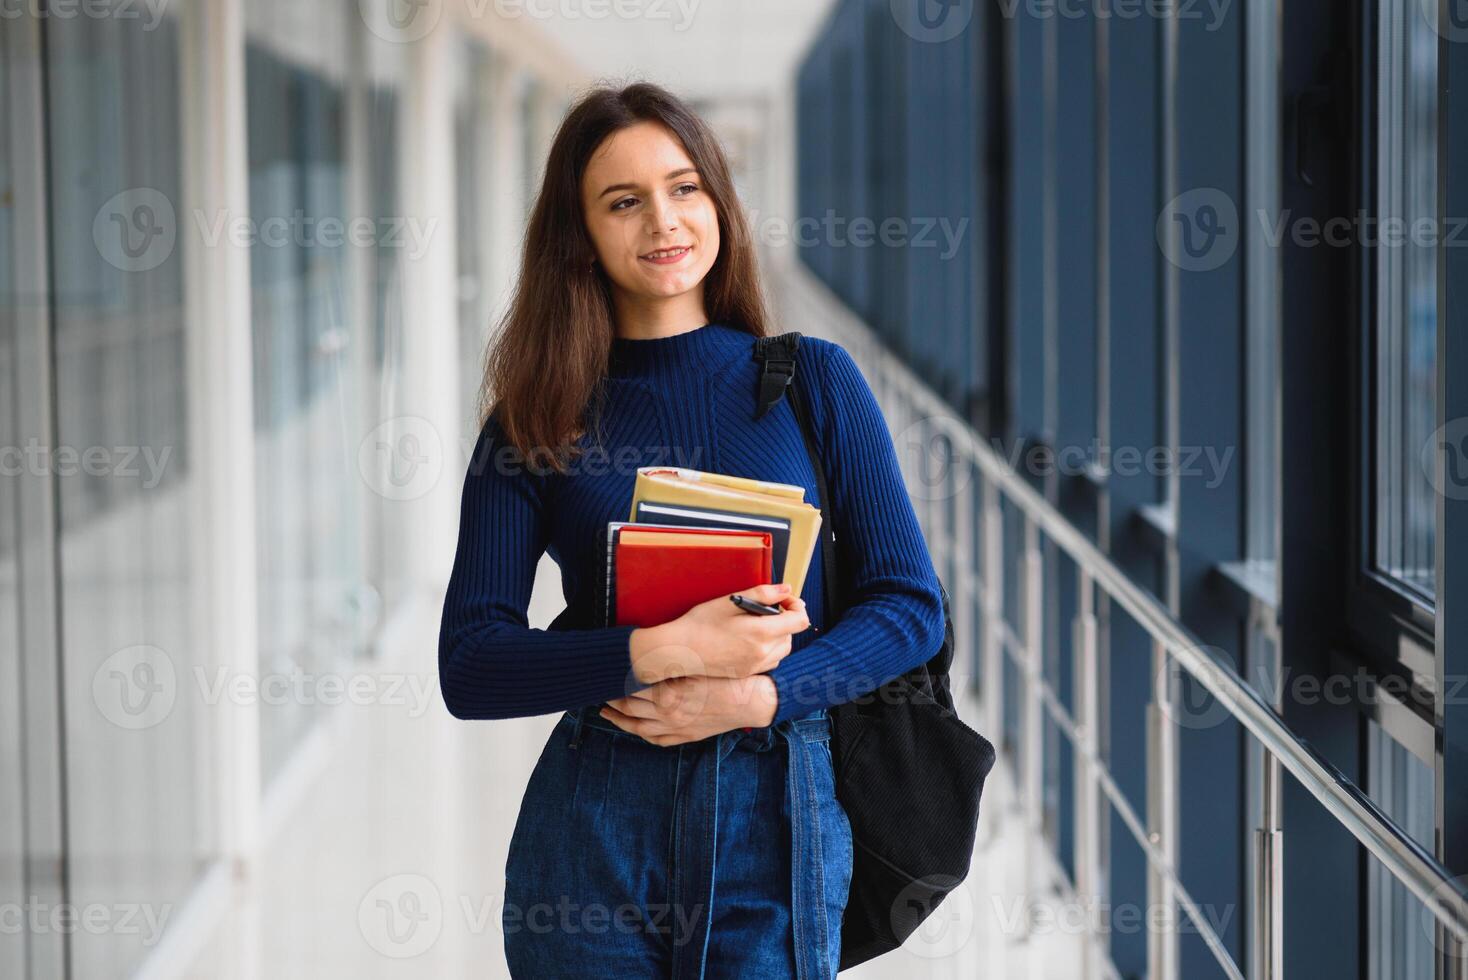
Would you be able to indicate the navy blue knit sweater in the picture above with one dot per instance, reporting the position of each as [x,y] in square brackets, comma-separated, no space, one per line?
[685,400]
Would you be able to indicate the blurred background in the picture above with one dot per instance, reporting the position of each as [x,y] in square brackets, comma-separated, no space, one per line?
[1162,300]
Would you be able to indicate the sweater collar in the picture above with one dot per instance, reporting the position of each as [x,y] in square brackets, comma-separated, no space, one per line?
[699,349]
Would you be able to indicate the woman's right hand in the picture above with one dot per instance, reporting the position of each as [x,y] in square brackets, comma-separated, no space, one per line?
[718,639]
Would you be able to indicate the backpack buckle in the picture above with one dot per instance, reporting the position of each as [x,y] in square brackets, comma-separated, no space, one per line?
[776,356]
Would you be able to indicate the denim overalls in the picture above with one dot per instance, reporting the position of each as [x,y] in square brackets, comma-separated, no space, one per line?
[726,857]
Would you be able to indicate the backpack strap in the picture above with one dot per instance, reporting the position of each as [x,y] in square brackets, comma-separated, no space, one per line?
[777,358]
[777,362]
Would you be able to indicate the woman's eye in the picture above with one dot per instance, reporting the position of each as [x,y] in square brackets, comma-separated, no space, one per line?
[632,200]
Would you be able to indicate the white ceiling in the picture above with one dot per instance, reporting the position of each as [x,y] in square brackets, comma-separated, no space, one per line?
[700,49]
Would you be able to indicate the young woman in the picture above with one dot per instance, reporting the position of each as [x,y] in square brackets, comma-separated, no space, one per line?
[681,820]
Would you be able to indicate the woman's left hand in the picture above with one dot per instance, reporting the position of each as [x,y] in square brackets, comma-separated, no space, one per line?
[686,709]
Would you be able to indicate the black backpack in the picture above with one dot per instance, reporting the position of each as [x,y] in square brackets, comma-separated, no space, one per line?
[909,772]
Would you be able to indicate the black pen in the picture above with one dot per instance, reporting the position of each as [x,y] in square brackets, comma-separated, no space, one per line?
[759,608]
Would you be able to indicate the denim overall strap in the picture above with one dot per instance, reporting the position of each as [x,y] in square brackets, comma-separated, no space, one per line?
[696,844]
[807,849]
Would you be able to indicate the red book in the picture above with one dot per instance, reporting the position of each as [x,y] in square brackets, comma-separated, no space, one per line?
[661,573]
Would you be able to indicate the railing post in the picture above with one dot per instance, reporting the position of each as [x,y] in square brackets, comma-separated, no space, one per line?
[1269,895]
[1089,884]
[1162,934]
[1034,735]
[964,561]
[993,585]
[1032,753]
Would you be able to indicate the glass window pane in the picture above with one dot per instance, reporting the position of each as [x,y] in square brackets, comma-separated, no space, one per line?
[12,840]
[471,172]
[307,493]
[1406,337]
[1401,940]
[136,760]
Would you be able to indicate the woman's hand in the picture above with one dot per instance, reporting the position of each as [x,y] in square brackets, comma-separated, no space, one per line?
[718,639]
[686,709]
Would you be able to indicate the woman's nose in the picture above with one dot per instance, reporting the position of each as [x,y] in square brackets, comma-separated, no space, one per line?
[663,214]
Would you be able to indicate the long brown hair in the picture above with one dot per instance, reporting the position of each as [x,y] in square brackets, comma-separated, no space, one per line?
[544,367]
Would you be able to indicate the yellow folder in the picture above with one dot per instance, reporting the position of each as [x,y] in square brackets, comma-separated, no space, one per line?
[697,488]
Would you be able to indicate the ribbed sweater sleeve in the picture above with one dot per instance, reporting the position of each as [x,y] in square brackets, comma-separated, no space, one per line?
[893,618]
[490,663]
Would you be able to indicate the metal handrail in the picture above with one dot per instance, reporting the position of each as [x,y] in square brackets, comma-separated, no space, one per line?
[1406,859]
[1402,856]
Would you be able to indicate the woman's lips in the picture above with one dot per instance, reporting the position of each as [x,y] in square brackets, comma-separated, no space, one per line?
[668,259]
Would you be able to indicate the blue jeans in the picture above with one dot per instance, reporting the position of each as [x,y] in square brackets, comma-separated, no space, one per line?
[725,857]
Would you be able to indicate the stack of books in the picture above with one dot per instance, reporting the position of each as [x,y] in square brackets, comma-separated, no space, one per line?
[693,536]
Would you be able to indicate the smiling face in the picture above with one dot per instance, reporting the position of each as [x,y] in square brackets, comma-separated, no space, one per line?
[653,226]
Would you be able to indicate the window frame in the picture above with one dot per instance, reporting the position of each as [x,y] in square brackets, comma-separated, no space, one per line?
[1386,622]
